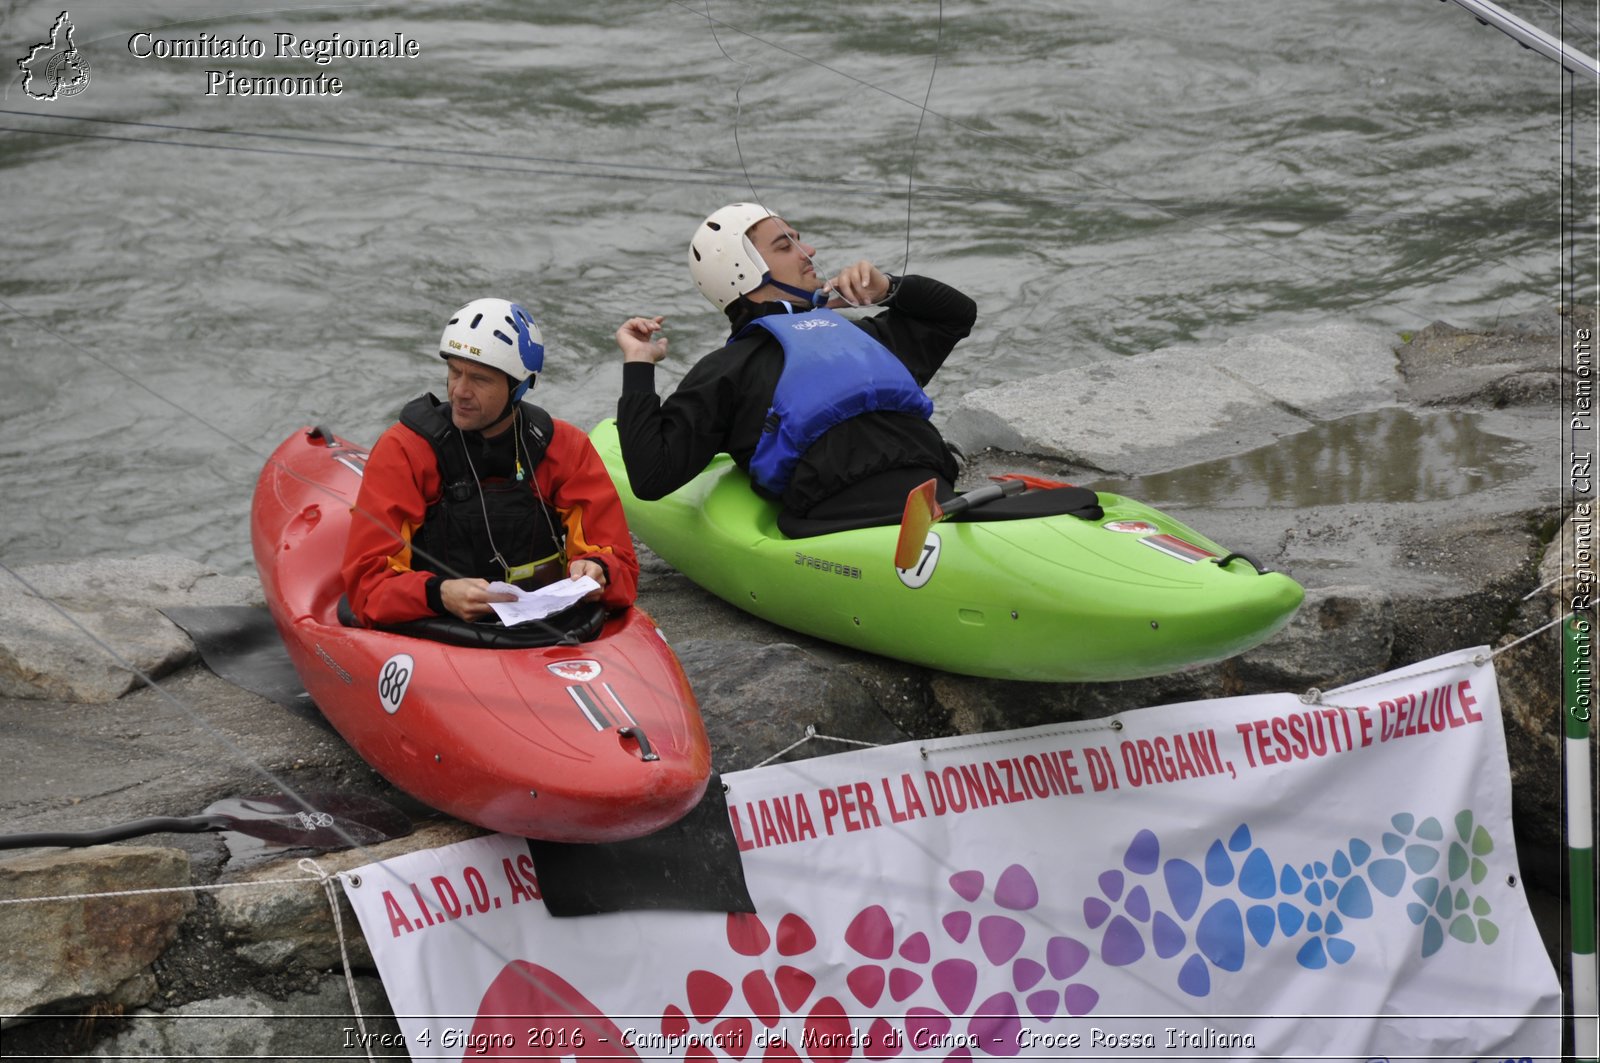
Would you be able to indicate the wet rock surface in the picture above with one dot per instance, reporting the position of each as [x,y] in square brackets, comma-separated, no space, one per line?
[1271,444]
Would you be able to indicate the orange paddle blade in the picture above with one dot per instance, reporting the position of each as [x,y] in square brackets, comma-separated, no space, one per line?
[922,512]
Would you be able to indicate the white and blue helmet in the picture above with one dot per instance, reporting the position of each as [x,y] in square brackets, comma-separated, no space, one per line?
[498,334]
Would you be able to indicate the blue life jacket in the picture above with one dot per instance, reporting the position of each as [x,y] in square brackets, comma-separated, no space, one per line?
[832,371]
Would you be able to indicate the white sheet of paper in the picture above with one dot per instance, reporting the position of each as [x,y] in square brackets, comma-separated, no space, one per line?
[547,600]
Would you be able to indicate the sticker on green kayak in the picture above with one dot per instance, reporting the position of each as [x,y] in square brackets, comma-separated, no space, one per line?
[920,573]
[822,564]
[1181,549]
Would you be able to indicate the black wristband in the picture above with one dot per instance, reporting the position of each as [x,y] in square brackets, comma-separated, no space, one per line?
[639,377]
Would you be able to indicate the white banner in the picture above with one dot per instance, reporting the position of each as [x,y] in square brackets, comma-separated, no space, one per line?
[1239,878]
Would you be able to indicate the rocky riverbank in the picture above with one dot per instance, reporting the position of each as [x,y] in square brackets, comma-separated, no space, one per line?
[1413,487]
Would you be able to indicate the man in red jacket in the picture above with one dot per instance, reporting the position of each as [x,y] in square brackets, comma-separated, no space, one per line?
[482,488]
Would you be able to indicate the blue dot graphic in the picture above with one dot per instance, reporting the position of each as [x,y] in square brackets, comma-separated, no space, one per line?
[1220,935]
[1184,886]
[1355,900]
[1195,978]
[1256,878]
[1219,867]
[1261,920]
[1311,955]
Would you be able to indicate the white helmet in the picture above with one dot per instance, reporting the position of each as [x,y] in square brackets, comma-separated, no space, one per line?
[498,334]
[722,260]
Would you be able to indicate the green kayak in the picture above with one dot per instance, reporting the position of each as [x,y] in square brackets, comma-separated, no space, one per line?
[1050,599]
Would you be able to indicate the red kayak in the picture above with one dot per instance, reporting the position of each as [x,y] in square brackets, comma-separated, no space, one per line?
[580,728]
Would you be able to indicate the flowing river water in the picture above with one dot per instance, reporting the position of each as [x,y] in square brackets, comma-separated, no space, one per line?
[193,274]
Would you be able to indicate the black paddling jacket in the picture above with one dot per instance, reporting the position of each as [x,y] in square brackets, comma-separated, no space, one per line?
[722,404]
[484,508]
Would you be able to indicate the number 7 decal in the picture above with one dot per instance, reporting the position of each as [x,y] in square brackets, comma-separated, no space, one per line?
[923,572]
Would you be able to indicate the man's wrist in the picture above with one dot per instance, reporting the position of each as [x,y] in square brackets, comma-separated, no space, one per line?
[891,291]
[639,376]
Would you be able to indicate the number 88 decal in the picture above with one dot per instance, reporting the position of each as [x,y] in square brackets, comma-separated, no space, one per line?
[393,679]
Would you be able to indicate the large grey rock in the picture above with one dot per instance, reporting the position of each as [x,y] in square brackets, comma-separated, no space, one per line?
[321,1024]
[1183,404]
[1339,635]
[278,924]
[99,948]
[759,700]
[1532,693]
[171,750]
[78,632]
[1517,363]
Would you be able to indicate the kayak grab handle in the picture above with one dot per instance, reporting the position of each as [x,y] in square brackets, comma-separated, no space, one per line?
[638,735]
[1222,562]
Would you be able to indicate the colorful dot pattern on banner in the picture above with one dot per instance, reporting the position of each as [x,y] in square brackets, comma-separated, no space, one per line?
[967,985]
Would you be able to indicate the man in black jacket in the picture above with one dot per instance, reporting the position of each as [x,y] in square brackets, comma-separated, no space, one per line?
[827,415]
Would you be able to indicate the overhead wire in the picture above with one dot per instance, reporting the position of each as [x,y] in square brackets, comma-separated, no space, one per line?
[738,101]
[922,116]
[1586,30]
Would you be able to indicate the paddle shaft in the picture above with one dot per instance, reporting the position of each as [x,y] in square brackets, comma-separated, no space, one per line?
[138,827]
[924,510]
[977,497]
[312,821]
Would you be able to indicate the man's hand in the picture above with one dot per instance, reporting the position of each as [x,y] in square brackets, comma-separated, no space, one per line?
[641,341]
[594,570]
[859,285]
[469,598]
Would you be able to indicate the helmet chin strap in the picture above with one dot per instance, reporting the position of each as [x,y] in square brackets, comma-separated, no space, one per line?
[816,298]
[514,396]
[520,389]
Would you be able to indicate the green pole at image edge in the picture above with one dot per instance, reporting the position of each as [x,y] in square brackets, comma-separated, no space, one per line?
[1577,666]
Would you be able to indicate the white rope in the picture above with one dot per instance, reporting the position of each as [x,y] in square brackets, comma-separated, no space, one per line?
[1313,695]
[161,889]
[311,867]
[811,733]
[1546,583]
[1536,631]
[1109,724]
